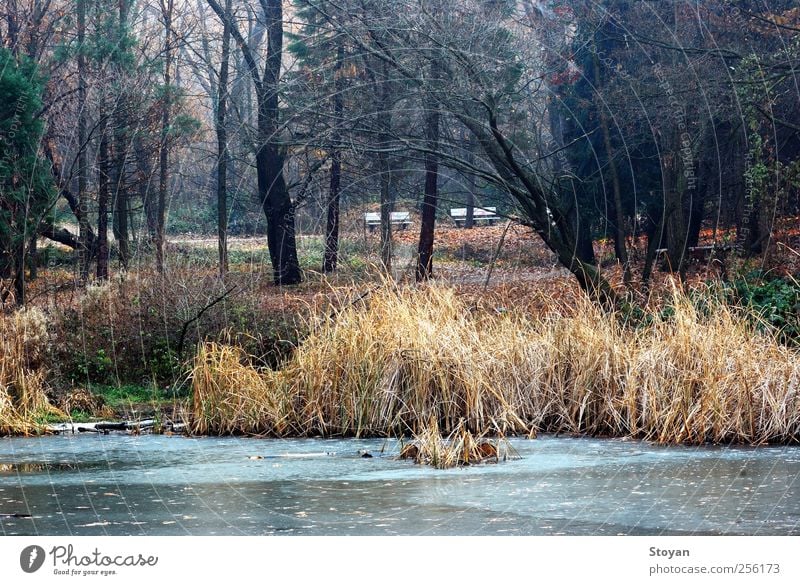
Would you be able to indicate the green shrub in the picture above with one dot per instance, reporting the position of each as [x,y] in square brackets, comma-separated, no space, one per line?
[774,301]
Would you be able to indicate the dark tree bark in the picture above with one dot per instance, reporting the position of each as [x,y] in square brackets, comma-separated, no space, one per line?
[121,210]
[121,202]
[331,258]
[167,7]
[654,229]
[12,27]
[272,190]
[20,285]
[82,212]
[674,214]
[620,248]
[222,146]
[144,170]
[33,257]
[428,224]
[469,220]
[275,199]
[103,197]
[384,119]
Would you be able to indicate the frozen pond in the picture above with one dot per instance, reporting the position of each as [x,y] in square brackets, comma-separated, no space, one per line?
[158,485]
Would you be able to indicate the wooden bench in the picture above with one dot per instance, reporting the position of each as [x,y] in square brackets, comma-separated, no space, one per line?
[402,219]
[699,254]
[479,214]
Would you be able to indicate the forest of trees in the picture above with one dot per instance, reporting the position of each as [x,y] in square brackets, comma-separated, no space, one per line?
[621,119]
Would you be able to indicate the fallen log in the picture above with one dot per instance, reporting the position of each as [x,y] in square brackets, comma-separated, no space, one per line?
[88,430]
[111,426]
[105,427]
[140,426]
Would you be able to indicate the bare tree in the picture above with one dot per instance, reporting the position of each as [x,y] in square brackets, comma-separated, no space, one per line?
[167,11]
[222,144]
[331,257]
[272,189]
[83,198]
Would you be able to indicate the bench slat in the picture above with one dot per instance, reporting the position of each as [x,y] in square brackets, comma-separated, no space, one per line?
[402,218]
[478,212]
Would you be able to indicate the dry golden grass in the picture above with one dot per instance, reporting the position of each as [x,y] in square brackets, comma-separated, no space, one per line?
[23,341]
[460,448]
[399,358]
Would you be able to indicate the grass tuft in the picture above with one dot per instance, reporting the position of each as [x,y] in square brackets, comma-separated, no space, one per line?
[461,448]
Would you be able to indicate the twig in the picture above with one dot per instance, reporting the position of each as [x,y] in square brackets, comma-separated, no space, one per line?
[496,255]
[199,314]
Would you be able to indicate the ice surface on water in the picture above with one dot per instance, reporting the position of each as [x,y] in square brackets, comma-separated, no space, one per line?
[176,485]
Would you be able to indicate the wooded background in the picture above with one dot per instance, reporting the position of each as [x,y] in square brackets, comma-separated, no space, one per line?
[629,120]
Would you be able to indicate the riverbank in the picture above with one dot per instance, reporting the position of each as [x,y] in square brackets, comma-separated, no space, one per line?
[393,360]
[348,355]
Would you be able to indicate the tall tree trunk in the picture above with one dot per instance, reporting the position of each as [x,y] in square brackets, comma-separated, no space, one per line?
[144,170]
[655,234]
[332,225]
[469,220]
[20,286]
[674,216]
[33,257]
[121,123]
[384,168]
[83,197]
[386,251]
[579,225]
[272,190]
[121,203]
[472,187]
[167,7]
[12,27]
[103,197]
[331,258]
[222,147]
[674,165]
[274,194]
[428,223]
[620,248]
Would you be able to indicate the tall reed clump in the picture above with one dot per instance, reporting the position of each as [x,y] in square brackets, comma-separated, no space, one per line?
[23,344]
[232,397]
[460,448]
[390,364]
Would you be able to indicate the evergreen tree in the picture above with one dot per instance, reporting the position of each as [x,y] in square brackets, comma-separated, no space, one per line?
[25,181]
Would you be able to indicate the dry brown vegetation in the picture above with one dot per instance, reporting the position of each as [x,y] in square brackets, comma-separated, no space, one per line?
[460,448]
[23,342]
[390,363]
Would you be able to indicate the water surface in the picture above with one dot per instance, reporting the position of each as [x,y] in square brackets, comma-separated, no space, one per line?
[158,485]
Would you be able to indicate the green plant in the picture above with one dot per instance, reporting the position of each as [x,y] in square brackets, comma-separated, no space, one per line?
[164,363]
[774,302]
[80,416]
